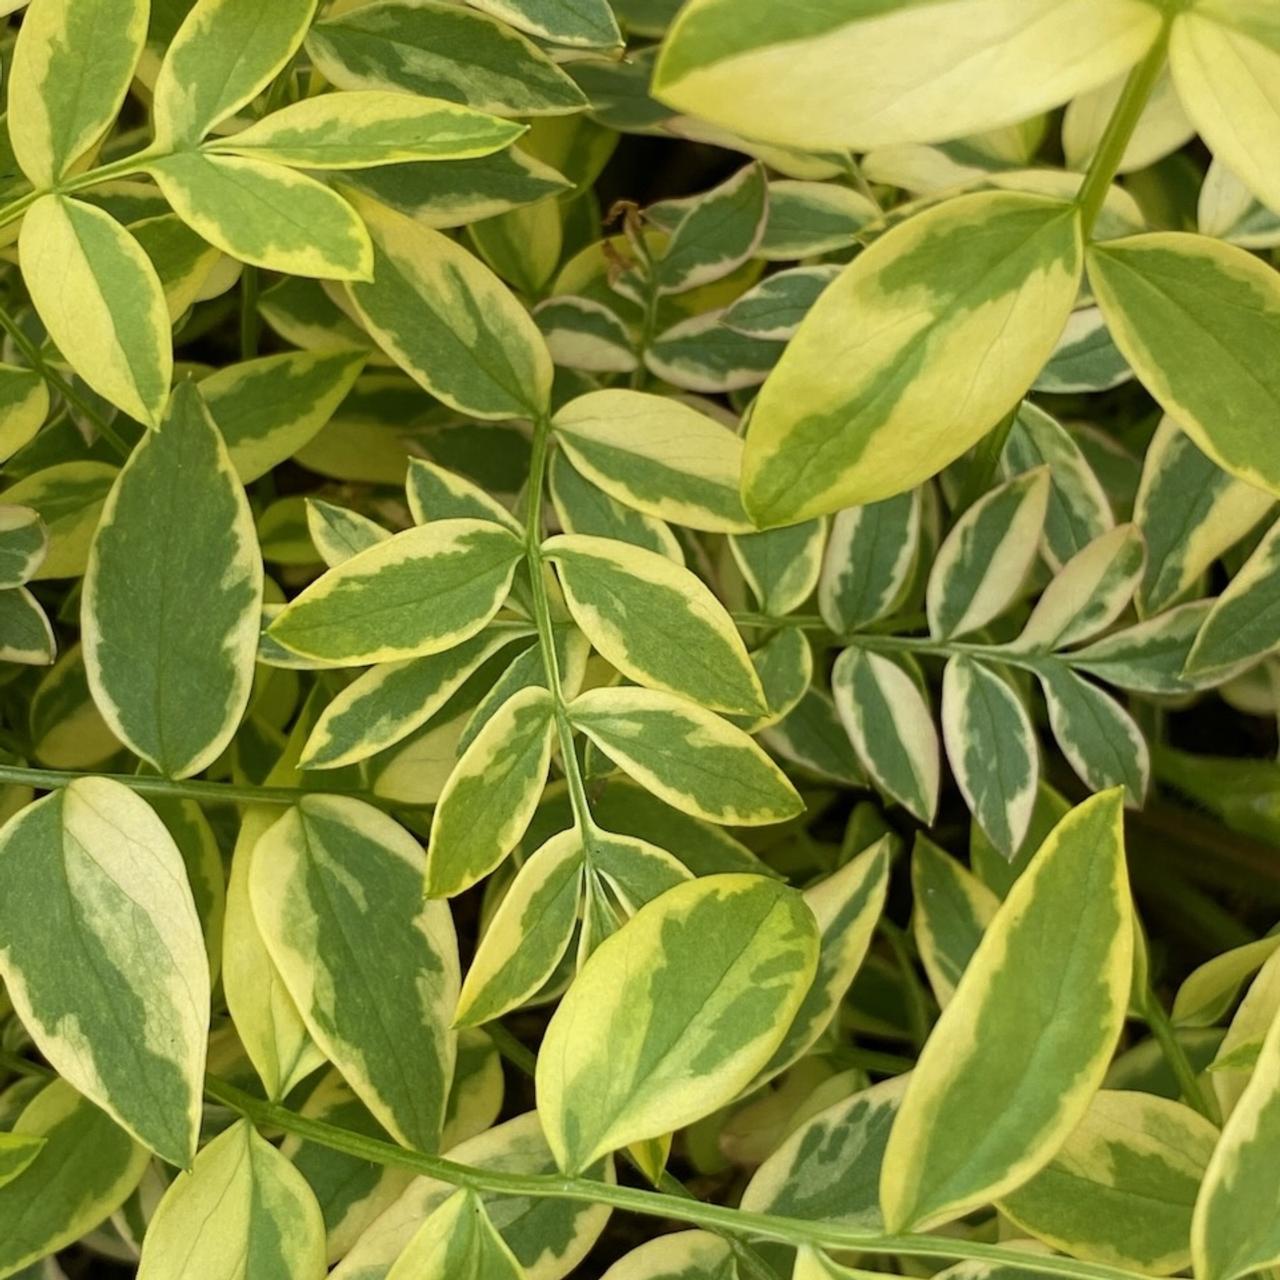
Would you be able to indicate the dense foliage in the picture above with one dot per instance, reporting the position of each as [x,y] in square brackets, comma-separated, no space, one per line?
[640,643]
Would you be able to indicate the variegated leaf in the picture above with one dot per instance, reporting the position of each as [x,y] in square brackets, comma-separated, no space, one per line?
[891,727]
[24,542]
[1010,1067]
[781,566]
[340,533]
[869,560]
[173,595]
[447,579]
[1149,657]
[952,911]
[680,1255]
[335,887]
[986,557]
[993,750]
[655,622]
[24,405]
[588,24]
[721,942]
[583,507]
[458,1242]
[811,218]
[774,308]
[1241,626]
[491,794]
[103,957]
[872,361]
[687,756]
[241,1212]
[437,494]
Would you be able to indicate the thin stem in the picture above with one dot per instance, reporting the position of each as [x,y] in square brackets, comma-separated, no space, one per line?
[791,1231]
[883,1064]
[188,789]
[62,385]
[1124,119]
[1202,1099]
[545,625]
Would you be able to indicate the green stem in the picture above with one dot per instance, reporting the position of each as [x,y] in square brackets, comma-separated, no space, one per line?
[883,1064]
[1124,119]
[1202,1099]
[62,385]
[790,1231]
[545,625]
[186,789]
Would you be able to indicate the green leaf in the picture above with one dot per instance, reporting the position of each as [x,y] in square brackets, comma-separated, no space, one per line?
[774,308]
[85,1169]
[781,566]
[655,622]
[99,297]
[435,586]
[717,234]
[1190,511]
[24,405]
[688,757]
[985,559]
[72,64]
[491,794]
[657,455]
[846,906]
[173,595]
[104,960]
[828,1169]
[441,50]
[1224,57]
[268,408]
[340,533]
[687,1002]
[1010,1067]
[992,747]
[1241,627]
[583,507]
[389,701]
[1097,735]
[336,890]
[370,127]
[952,911]
[1090,592]
[941,73]
[1197,320]
[222,56]
[869,561]
[457,1242]
[548,1237]
[584,24]
[448,321]
[266,215]
[17,1151]
[24,543]
[1121,1188]
[974,291]
[1078,510]
[528,934]
[679,1255]
[891,727]
[1235,1230]
[452,193]
[242,1211]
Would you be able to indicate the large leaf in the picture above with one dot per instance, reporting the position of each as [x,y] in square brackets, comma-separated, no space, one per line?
[224,53]
[692,759]
[431,587]
[266,215]
[1011,1065]
[83,1172]
[103,957]
[72,64]
[1198,321]
[941,69]
[101,301]
[686,1003]
[862,404]
[449,322]
[373,970]
[173,595]
[656,622]
[243,1211]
